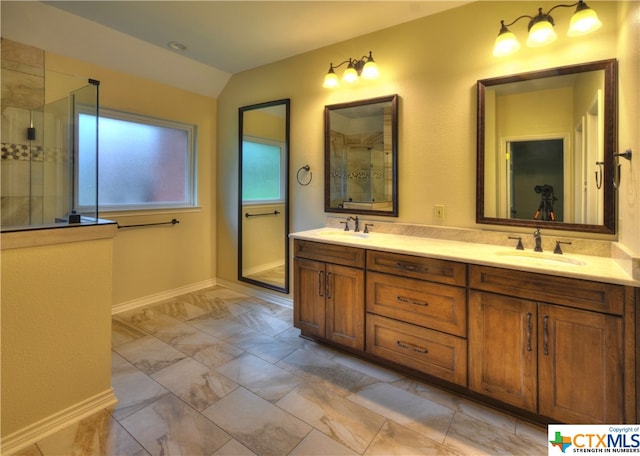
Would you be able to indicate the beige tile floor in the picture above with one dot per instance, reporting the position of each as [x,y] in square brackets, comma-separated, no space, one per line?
[216,372]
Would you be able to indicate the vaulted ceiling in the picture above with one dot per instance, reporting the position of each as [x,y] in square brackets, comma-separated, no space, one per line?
[220,37]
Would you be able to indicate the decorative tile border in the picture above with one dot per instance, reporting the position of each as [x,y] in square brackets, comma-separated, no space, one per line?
[24,152]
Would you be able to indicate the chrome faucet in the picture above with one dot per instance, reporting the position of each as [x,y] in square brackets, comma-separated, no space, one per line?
[356,226]
[538,237]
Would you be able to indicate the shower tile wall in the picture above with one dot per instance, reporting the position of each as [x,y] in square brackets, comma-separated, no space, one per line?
[21,160]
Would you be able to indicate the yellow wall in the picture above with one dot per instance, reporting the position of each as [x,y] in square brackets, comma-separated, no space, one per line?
[433,64]
[56,328]
[629,123]
[187,256]
[553,110]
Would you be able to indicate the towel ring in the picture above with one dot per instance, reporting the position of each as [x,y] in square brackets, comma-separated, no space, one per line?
[306,168]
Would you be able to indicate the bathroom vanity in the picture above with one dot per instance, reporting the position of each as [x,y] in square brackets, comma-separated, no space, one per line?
[551,337]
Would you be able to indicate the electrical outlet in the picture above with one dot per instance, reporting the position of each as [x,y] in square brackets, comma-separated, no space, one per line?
[438,212]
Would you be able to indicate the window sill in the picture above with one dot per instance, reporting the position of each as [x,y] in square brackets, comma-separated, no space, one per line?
[145,212]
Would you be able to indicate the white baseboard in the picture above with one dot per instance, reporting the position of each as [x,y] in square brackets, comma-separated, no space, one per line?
[265,294]
[50,425]
[262,293]
[162,296]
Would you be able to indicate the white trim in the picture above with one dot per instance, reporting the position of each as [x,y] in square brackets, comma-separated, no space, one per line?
[162,296]
[267,295]
[52,424]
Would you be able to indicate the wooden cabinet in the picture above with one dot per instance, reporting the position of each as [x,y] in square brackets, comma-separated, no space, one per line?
[502,348]
[561,349]
[329,297]
[580,365]
[557,360]
[424,350]
[416,314]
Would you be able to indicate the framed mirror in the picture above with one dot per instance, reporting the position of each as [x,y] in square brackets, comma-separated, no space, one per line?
[545,145]
[263,195]
[361,157]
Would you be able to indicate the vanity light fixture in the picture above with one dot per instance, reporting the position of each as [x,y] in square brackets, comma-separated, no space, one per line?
[365,68]
[541,32]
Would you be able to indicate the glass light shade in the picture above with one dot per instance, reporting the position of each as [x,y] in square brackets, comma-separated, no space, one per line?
[506,44]
[331,80]
[350,75]
[370,70]
[584,20]
[541,34]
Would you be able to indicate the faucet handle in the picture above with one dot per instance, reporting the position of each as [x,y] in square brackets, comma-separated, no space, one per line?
[346,225]
[558,250]
[519,246]
[366,227]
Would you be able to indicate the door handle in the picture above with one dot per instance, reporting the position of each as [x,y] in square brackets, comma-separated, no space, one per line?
[320,275]
[411,347]
[528,331]
[546,334]
[406,266]
[411,301]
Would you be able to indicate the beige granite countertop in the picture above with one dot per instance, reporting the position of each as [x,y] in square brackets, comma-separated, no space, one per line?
[579,266]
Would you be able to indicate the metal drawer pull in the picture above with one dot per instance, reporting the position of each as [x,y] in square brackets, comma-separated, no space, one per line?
[412,301]
[411,347]
[407,266]
[528,331]
[320,274]
[546,335]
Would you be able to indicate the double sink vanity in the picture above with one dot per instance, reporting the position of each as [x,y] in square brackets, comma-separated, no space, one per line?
[550,337]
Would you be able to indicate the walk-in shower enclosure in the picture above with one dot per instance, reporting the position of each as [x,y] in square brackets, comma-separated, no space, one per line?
[49,150]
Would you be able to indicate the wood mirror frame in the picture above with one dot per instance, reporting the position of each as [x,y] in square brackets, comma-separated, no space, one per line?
[361,127]
[606,223]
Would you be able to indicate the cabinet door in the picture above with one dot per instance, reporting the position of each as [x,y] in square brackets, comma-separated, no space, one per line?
[345,306]
[502,348]
[309,295]
[580,363]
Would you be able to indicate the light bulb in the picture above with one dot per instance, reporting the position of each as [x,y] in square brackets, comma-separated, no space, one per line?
[541,34]
[331,80]
[506,44]
[350,75]
[584,20]
[370,70]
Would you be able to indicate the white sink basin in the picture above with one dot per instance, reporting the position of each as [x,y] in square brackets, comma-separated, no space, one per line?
[343,234]
[540,257]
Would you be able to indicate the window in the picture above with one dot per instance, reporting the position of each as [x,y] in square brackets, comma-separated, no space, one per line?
[262,171]
[143,162]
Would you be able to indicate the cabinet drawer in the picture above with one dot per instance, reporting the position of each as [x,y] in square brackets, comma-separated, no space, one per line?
[434,270]
[330,253]
[424,350]
[433,305]
[581,294]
